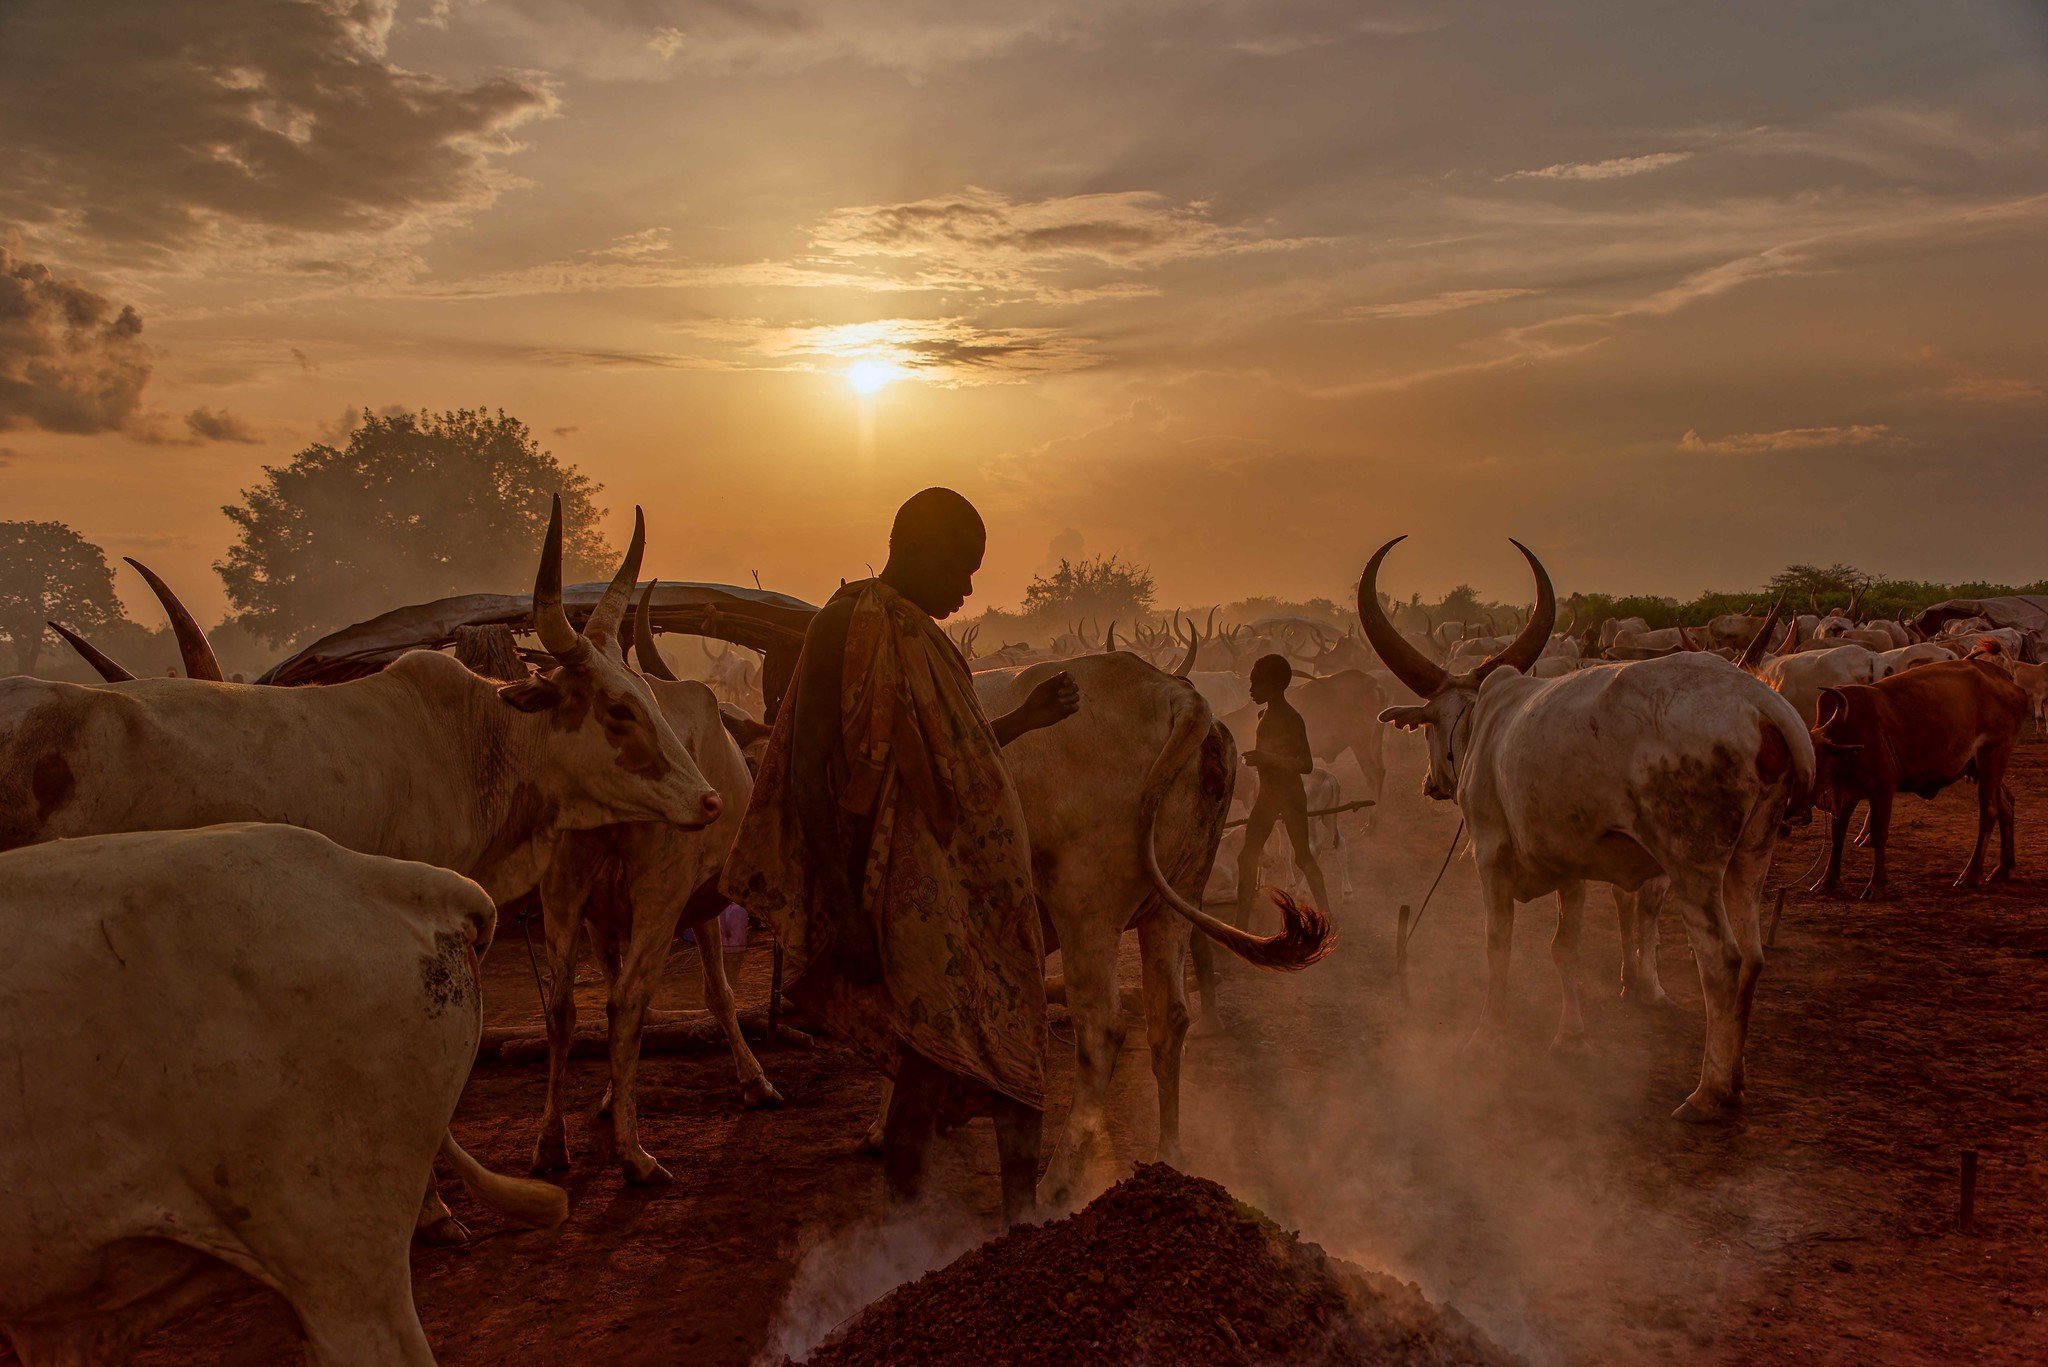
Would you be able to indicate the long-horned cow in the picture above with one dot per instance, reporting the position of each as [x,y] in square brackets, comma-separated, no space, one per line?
[424,760]
[232,1052]
[1680,768]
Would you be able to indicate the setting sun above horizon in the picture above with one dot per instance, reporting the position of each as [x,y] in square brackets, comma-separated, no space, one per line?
[871,376]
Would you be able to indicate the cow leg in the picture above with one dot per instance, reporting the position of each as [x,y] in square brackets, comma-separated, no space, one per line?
[1742,893]
[2006,814]
[379,1326]
[1564,952]
[1625,911]
[756,1092]
[1500,948]
[1838,830]
[1720,962]
[1880,823]
[632,989]
[1162,945]
[563,918]
[1090,957]
[436,1224]
[872,1142]
[1019,1130]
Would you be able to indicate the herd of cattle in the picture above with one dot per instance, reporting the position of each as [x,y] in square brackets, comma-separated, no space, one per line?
[248,918]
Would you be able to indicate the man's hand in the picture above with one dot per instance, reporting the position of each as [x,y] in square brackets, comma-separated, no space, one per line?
[1052,702]
[1253,759]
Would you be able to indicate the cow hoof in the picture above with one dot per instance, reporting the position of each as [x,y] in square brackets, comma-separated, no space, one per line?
[1174,1157]
[652,1174]
[1872,893]
[1647,1000]
[2001,876]
[1485,1042]
[1695,1110]
[1570,1044]
[871,1142]
[545,1162]
[446,1232]
[1824,888]
[760,1095]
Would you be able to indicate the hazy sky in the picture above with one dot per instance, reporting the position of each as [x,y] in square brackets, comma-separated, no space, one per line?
[1674,292]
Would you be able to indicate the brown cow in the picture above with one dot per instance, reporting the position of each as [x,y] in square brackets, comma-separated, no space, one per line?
[1918,732]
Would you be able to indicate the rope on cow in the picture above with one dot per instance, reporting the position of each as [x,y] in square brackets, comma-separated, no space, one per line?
[532,959]
[1449,855]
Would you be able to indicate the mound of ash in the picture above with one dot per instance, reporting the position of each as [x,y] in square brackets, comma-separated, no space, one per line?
[1161,1268]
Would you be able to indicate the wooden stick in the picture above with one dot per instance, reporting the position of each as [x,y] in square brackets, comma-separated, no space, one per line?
[1401,951]
[1966,1209]
[1338,810]
[775,990]
[1776,912]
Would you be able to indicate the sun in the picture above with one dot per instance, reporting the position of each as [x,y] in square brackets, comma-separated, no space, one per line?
[870,376]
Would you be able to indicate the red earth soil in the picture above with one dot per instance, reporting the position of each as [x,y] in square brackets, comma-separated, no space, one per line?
[1548,1196]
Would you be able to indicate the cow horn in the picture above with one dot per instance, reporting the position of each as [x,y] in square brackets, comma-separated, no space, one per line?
[550,623]
[193,647]
[1686,642]
[610,612]
[1109,641]
[651,663]
[108,670]
[1408,664]
[1525,649]
[1187,661]
[1753,653]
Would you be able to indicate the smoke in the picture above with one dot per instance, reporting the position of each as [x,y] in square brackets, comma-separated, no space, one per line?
[69,360]
[840,1272]
[1066,546]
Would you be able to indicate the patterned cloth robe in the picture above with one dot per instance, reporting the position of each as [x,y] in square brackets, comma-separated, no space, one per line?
[944,953]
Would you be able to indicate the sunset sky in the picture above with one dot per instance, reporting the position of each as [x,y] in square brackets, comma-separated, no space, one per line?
[1676,293]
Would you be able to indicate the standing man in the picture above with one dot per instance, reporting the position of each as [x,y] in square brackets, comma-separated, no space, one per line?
[1282,758]
[886,844]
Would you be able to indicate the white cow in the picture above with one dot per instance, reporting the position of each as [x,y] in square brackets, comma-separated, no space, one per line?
[1125,802]
[1801,677]
[1679,768]
[629,886]
[424,760]
[230,1050]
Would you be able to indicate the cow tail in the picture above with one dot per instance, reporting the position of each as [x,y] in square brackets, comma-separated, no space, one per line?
[1306,935]
[541,1205]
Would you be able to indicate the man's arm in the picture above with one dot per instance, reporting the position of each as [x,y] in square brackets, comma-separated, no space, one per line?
[1051,702]
[815,740]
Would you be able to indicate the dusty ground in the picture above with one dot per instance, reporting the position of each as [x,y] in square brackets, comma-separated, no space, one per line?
[1549,1197]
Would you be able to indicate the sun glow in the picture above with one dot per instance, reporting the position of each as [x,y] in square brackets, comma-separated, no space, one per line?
[870,376]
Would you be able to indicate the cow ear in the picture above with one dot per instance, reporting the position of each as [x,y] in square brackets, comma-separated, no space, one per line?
[1407,718]
[1837,747]
[536,694]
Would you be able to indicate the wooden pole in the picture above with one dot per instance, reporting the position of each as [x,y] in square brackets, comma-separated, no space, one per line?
[775,988]
[1776,911]
[1966,1207]
[1401,951]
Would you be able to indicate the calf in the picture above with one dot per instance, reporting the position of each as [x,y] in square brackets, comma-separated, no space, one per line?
[2033,681]
[232,1052]
[1917,732]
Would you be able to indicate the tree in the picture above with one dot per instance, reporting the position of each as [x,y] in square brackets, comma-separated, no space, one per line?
[50,572]
[1803,583]
[417,506]
[1103,586]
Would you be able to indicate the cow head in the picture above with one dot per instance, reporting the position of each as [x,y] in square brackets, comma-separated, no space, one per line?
[605,730]
[1448,698]
[1836,740]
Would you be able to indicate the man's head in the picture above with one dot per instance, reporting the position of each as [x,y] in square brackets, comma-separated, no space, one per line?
[934,550]
[1270,676]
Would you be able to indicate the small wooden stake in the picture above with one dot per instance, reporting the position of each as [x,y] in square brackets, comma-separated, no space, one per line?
[1776,912]
[1401,951]
[1966,1209]
[775,990]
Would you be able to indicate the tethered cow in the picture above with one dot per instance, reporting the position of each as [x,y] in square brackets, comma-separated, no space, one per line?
[1680,768]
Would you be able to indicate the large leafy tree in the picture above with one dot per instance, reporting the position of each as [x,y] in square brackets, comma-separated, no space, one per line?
[417,506]
[48,571]
[1105,585]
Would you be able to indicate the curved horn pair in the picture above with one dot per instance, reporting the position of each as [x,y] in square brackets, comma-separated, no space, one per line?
[551,623]
[1412,667]
[193,648]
